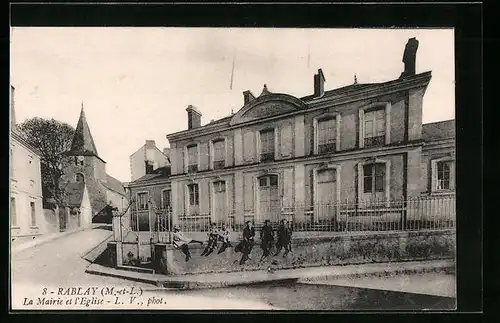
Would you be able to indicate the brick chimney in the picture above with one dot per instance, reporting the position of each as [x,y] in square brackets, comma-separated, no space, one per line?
[248,96]
[409,57]
[150,144]
[194,117]
[319,84]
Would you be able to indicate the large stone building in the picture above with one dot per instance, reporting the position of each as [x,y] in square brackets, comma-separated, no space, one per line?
[282,155]
[85,175]
[147,159]
[26,213]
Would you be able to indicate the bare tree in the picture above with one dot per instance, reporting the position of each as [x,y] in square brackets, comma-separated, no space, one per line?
[53,139]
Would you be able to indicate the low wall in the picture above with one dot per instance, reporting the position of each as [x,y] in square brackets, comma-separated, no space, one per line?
[315,251]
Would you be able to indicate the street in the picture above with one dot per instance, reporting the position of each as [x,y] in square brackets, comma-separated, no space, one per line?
[53,272]
[58,264]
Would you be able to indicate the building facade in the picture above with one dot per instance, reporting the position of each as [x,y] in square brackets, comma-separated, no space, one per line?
[283,156]
[85,166]
[26,212]
[147,159]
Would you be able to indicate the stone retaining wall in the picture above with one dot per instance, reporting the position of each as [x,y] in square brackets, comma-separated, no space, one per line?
[315,251]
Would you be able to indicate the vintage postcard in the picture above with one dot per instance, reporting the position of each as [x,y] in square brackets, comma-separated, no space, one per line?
[232,168]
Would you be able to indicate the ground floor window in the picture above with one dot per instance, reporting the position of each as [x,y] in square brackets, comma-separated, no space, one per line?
[443,175]
[193,199]
[374,178]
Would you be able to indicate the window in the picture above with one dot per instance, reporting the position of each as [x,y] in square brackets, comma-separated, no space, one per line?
[79,178]
[166,199]
[374,127]
[219,187]
[374,178]
[33,214]
[13,215]
[192,158]
[194,198]
[79,160]
[327,135]
[326,176]
[267,145]
[149,166]
[267,181]
[443,175]
[142,201]
[219,154]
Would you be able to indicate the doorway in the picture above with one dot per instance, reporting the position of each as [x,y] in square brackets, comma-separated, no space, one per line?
[269,198]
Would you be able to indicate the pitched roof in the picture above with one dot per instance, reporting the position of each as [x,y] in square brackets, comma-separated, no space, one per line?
[74,193]
[438,130]
[335,93]
[343,90]
[83,143]
[159,173]
[114,185]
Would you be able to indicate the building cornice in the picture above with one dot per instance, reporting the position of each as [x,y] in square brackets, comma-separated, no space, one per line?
[333,157]
[150,183]
[418,81]
[437,144]
[17,137]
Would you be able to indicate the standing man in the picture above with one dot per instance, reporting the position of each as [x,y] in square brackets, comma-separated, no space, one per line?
[246,245]
[267,239]
[284,238]
[181,241]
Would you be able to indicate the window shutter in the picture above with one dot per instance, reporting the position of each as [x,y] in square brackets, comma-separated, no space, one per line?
[286,140]
[248,146]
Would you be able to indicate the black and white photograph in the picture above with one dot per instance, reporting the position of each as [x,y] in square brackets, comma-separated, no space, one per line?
[276,169]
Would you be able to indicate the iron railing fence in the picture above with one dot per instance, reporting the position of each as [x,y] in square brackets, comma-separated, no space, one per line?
[413,214]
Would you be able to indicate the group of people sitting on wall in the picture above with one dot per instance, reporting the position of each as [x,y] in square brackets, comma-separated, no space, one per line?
[245,246]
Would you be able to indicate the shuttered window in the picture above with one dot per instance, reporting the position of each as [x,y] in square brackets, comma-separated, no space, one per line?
[219,154]
[267,145]
[192,158]
[327,135]
[374,127]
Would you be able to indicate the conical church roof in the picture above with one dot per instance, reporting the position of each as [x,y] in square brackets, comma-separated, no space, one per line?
[83,143]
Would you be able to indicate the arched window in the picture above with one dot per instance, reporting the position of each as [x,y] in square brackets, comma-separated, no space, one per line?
[79,178]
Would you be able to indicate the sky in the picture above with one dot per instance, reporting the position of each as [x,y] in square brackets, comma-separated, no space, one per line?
[135,83]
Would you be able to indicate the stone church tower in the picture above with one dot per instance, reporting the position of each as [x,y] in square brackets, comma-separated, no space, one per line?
[85,165]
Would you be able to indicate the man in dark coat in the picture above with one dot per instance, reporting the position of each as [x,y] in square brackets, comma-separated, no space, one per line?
[225,237]
[284,238]
[267,239]
[212,240]
[246,245]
